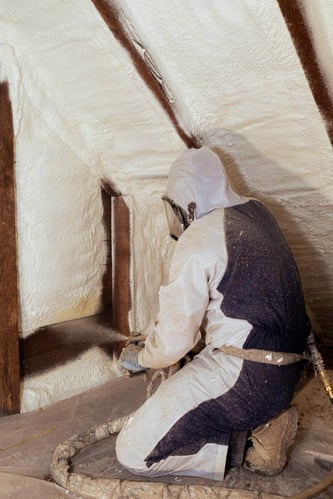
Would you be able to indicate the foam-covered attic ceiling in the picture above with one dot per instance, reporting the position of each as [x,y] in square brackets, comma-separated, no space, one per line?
[229,72]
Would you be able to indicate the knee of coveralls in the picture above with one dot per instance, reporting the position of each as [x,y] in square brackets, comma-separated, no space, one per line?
[129,448]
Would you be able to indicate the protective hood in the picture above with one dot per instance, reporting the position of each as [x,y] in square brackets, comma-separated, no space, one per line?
[198,176]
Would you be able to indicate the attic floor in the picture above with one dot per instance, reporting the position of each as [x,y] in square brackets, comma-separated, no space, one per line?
[28,440]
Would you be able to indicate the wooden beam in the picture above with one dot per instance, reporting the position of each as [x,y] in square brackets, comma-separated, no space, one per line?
[9,341]
[116,302]
[300,34]
[107,275]
[111,18]
[121,302]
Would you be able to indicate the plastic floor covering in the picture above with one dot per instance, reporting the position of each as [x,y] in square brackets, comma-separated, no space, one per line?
[27,442]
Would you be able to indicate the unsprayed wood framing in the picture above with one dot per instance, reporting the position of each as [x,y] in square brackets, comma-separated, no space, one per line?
[9,341]
[116,294]
[121,300]
[107,275]
[110,15]
[300,34]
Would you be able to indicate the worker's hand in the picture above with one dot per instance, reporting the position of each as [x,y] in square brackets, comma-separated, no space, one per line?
[129,358]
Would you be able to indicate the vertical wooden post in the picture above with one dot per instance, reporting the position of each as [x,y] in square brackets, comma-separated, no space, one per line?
[121,265]
[9,342]
[107,276]
[116,279]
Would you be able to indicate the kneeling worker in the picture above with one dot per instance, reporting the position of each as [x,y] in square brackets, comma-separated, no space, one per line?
[232,273]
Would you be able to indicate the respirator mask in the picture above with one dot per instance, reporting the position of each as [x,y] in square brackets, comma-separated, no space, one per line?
[178,219]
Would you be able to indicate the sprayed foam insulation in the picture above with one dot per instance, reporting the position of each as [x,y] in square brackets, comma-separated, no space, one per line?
[82,113]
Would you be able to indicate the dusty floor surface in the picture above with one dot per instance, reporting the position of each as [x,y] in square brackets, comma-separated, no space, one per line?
[27,442]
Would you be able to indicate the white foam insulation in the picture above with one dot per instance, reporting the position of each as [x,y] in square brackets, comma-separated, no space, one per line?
[82,113]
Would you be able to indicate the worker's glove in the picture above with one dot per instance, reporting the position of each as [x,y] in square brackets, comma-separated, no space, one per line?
[129,358]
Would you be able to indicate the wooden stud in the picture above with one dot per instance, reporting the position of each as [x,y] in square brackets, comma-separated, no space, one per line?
[116,279]
[121,302]
[107,276]
[9,341]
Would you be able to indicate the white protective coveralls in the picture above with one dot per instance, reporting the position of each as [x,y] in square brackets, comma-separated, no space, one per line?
[233,273]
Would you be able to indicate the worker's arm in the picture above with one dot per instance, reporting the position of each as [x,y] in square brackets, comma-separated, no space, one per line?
[196,269]
[182,306]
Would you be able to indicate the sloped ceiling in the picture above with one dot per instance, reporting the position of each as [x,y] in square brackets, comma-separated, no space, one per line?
[233,81]
[237,83]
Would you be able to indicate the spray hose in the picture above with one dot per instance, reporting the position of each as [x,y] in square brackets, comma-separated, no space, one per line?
[319,366]
[113,488]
